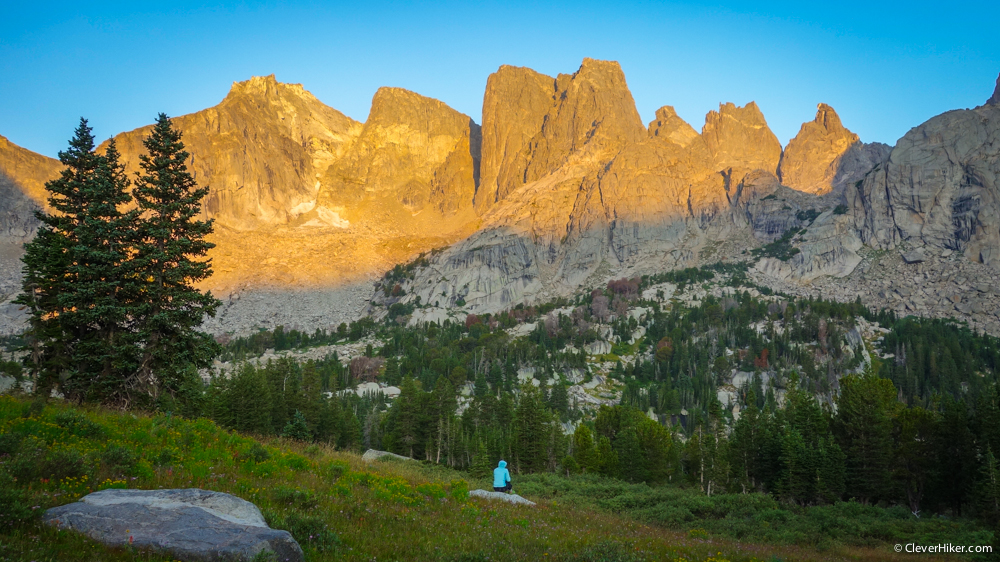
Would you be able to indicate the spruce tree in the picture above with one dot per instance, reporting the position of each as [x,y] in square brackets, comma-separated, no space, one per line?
[297,428]
[170,260]
[584,450]
[104,287]
[481,465]
[75,285]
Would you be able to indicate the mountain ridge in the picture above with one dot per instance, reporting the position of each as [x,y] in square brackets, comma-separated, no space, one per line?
[562,185]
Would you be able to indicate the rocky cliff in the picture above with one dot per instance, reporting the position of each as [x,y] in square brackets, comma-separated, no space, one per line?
[261,151]
[810,161]
[575,187]
[416,160]
[560,213]
[289,230]
[938,188]
[22,191]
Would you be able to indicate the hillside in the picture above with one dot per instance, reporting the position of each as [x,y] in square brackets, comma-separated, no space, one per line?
[338,507]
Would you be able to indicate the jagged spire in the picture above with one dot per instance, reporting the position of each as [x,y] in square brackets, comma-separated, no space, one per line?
[995,100]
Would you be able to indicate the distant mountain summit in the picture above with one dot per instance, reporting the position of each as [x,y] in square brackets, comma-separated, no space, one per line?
[562,186]
[261,151]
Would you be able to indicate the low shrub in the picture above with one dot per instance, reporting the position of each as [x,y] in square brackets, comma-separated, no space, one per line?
[78,424]
[118,459]
[256,454]
[310,531]
[294,497]
[15,504]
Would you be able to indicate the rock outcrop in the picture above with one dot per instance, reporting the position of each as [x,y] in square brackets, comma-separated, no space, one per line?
[23,175]
[372,455]
[189,524]
[739,138]
[501,496]
[995,99]
[811,160]
[414,155]
[671,128]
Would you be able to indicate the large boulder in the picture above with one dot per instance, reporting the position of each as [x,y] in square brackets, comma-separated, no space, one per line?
[190,524]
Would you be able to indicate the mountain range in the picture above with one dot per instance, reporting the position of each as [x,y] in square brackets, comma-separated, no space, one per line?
[561,187]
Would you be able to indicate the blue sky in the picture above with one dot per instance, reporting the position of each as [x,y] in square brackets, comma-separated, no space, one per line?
[884,66]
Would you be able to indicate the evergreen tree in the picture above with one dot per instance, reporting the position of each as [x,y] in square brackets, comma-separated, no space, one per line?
[914,455]
[77,284]
[530,420]
[297,428]
[989,488]
[865,411]
[170,259]
[583,449]
[105,287]
[560,399]
[406,406]
[248,402]
[481,465]
[47,287]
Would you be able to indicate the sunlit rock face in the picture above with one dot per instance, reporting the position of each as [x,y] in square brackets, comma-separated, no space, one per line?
[414,155]
[23,174]
[669,127]
[810,161]
[261,151]
[574,188]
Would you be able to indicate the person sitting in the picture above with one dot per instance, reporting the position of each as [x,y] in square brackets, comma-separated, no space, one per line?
[501,478]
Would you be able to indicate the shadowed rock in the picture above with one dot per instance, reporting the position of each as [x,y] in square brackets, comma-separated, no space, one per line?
[940,187]
[190,524]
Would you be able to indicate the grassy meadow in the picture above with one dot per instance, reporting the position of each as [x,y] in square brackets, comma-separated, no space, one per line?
[340,508]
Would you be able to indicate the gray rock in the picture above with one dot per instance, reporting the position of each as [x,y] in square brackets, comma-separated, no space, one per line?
[373,455]
[915,255]
[190,524]
[938,188]
[598,347]
[511,498]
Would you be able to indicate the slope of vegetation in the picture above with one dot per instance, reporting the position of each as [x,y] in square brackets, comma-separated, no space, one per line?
[337,507]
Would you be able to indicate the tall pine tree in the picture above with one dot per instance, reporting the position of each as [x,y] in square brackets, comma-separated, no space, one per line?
[76,285]
[170,260]
[104,285]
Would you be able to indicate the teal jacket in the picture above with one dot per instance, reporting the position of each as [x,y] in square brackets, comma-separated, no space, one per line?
[501,475]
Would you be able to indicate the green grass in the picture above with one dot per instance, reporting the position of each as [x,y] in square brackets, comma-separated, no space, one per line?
[337,507]
[755,517]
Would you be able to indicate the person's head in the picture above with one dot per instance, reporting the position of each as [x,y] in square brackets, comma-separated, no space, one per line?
[502,464]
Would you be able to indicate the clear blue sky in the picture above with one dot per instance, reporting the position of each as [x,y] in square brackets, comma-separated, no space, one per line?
[884,66]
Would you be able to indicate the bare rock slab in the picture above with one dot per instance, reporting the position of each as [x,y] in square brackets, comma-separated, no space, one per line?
[373,455]
[511,498]
[190,524]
